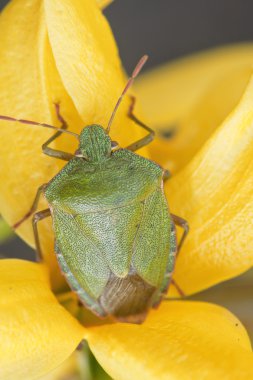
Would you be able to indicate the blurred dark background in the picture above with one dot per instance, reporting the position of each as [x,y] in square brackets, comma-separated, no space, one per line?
[167,29]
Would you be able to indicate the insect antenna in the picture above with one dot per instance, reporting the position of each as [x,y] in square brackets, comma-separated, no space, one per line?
[130,81]
[29,122]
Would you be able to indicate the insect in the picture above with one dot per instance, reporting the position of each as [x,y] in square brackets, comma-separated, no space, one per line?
[115,238]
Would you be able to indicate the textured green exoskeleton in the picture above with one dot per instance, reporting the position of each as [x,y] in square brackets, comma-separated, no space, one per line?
[114,236]
[115,239]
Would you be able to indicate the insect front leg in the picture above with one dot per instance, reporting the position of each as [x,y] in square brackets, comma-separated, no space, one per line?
[32,209]
[54,152]
[36,218]
[145,140]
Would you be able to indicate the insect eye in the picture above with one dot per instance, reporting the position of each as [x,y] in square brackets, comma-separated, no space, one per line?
[78,153]
[114,144]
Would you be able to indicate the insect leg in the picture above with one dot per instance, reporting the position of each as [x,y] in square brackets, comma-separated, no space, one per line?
[183,224]
[36,218]
[179,290]
[32,209]
[54,152]
[145,140]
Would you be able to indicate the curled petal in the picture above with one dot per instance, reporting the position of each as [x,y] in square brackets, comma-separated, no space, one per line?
[214,192]
[37,333]
[182,340]
[90,68]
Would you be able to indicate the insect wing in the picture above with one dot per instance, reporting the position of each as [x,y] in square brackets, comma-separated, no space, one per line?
[81,254]
[154,248]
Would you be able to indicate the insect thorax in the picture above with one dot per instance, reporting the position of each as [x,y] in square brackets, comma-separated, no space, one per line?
[120,179]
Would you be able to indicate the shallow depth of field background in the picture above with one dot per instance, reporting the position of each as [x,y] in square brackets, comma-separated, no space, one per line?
[168,29]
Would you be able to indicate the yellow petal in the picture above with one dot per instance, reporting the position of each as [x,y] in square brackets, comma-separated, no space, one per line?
[104,3]
[90,68]
[193,95]
[37,334]
[67,370]
[84,76]
[214,192]
[23,168]
[182,340]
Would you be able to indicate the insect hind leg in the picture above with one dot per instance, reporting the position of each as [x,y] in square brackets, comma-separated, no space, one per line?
[178,289]
[183,224]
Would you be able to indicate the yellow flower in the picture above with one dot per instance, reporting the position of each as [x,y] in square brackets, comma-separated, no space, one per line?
[64,51]
[212,157]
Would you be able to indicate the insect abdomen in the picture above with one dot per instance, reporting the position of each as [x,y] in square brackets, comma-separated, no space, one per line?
[128,299]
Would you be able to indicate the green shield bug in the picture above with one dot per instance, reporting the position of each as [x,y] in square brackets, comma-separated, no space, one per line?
[115,238]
